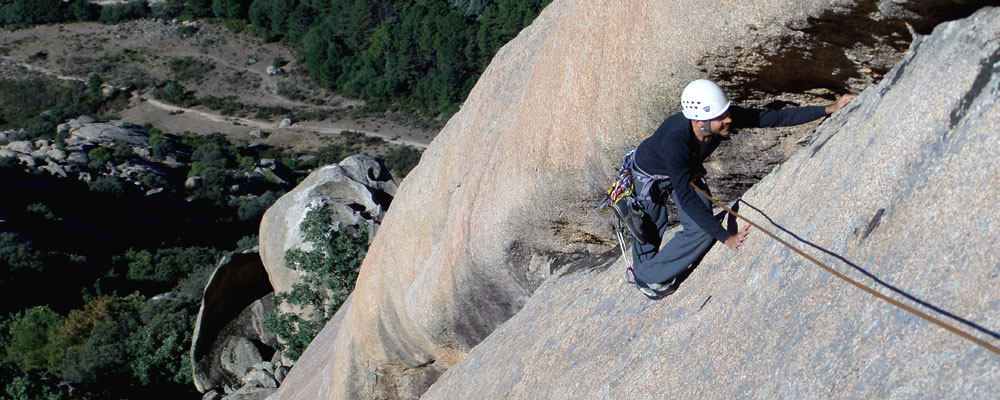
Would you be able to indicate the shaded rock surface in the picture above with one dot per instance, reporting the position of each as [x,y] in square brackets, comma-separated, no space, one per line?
[505,194]
[229,335]
[894,185]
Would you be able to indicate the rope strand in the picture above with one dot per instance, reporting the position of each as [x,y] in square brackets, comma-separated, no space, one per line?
[871,291]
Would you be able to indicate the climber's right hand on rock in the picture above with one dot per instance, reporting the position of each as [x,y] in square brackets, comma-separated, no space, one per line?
[735,241]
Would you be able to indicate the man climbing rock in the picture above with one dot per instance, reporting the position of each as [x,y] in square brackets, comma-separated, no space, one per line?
[667,161]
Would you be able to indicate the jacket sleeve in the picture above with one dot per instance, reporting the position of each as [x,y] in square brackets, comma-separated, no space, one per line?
[687,199]
[753,118]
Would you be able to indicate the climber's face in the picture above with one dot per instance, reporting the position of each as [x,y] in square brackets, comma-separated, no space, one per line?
[720,125]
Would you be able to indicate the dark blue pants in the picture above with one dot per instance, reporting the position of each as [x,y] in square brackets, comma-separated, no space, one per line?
[652,265]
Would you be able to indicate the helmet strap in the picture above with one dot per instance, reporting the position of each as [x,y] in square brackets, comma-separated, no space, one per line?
[705,128]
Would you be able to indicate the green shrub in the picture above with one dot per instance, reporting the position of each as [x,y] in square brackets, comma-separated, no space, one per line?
[18,254]
[187,31]
[189,69]
[99,156]
[247,243]
[107,185]
[160,145]
[42,210]
[170,264]
[401,160]
[33,340]
[174,93]
[32,385]
[329,271]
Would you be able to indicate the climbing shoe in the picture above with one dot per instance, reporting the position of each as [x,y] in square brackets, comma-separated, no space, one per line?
[656,291]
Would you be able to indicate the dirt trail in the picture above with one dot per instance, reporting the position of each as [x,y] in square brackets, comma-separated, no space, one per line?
[148,45]
[303,126]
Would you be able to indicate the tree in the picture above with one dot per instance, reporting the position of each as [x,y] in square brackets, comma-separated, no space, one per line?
[32,12]
[95,90]
[33,341]
[104,355]
[159,348]
[198,8]
[83,10]
[329,271]
[226,8]
[19,255]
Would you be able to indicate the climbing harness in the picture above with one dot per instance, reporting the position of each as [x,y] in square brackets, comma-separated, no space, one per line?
[857,284]
[622,199]
[619,199]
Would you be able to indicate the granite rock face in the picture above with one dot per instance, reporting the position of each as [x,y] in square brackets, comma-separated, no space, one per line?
[505,195]
[357,191]
[895,190]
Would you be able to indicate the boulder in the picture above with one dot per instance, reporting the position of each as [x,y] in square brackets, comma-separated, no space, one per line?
[106,132]
[211,395]
[280,373]
[78,157]
[56,154]
[896,192]
[21,146]
[192,182]
[229,334]
[42,144]
[505,195]
[238,355]
[143,152]
[251,393]
[27,160]
[285,123]
[54,170]
[356,191]
[260,377]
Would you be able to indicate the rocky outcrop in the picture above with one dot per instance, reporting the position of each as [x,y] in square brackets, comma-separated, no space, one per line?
[894,191]
[357,191]
[94,132]
[505,194]
[229,335]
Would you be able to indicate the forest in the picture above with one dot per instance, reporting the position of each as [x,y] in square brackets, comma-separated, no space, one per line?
[421,56]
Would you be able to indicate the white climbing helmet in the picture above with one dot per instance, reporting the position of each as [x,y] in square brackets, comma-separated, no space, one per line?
[703,100]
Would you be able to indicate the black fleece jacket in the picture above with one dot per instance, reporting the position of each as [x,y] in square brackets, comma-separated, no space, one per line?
[675,151]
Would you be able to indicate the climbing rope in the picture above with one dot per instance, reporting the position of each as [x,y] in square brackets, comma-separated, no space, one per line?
[871,291]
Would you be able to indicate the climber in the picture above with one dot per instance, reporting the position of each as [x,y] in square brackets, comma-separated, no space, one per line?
[667,161]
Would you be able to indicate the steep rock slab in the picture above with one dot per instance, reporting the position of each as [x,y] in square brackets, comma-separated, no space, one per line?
[901,184]
[506,192]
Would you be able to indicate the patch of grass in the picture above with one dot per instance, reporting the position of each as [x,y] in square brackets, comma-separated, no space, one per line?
[189,69]
[125,56]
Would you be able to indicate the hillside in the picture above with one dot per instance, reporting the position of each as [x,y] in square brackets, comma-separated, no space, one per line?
[210,62]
